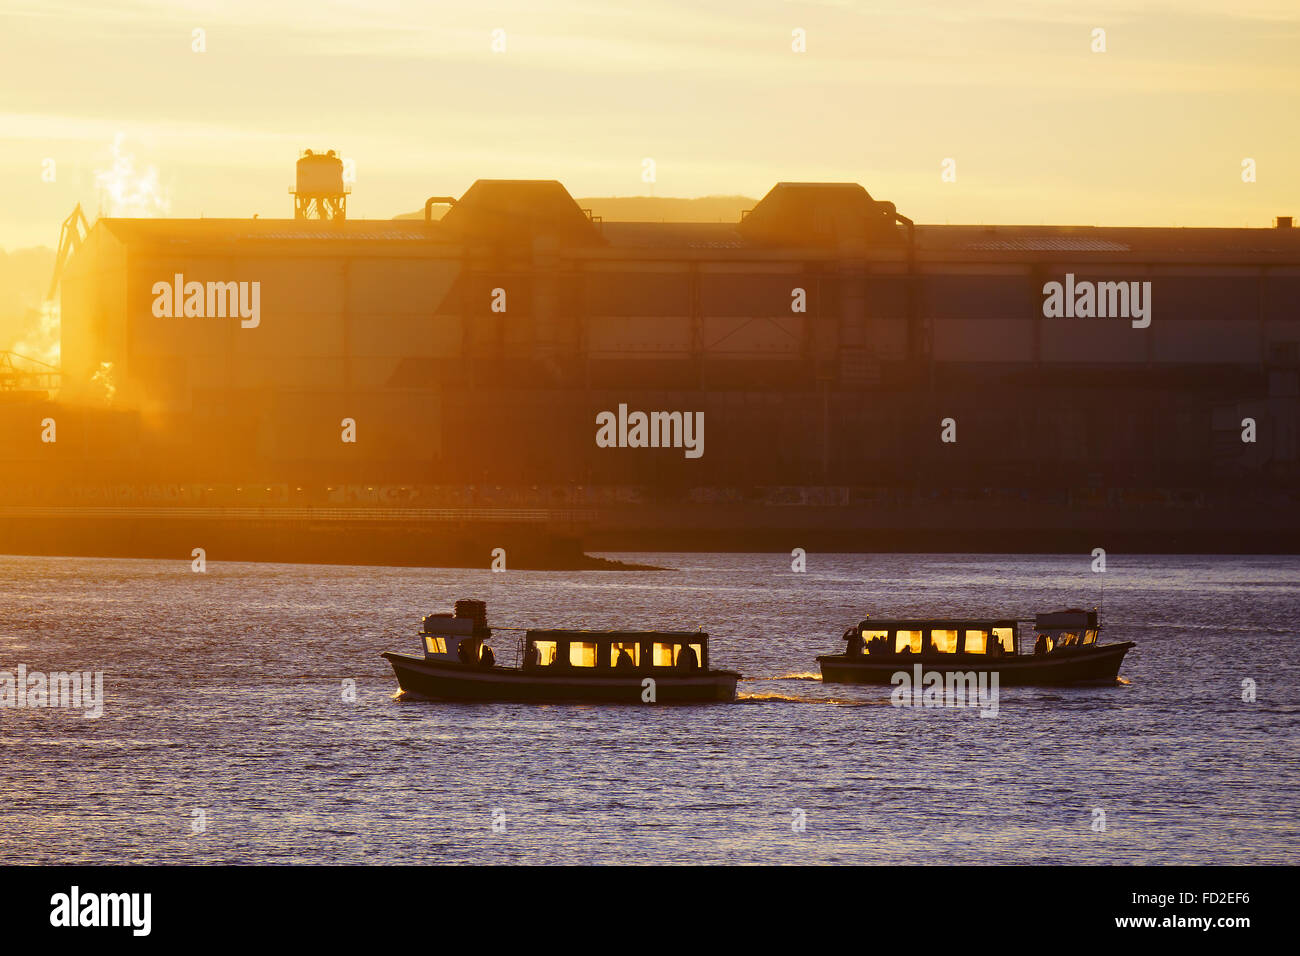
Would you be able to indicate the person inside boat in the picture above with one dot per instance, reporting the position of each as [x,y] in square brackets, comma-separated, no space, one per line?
[855,646]
[1040,645]
[624,661]
[686,659]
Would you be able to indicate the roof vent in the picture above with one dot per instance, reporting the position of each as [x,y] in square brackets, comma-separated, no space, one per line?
[820,214]
[519,210]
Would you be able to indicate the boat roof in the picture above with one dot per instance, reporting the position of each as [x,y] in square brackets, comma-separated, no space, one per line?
[883,624]
[582,634]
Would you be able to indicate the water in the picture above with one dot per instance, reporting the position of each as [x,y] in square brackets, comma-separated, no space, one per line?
[225,713]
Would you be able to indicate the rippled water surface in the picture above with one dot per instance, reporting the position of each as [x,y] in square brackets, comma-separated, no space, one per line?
[225,712]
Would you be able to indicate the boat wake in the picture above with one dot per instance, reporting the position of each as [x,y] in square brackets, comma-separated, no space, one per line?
[800,675]
[798,699]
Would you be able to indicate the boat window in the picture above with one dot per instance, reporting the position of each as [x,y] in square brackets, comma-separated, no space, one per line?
[1006,636]
[907,641]
[875,642]
[943,640]
[435,645]
[699,653]
[631,649]
[582,653]
[977,642]
[1067,638]
[1090,636]
[545,652]
[662,655]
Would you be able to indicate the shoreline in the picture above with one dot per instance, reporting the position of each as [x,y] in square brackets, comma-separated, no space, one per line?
[539,541]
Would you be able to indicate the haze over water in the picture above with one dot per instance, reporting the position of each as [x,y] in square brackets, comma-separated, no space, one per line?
[224,695]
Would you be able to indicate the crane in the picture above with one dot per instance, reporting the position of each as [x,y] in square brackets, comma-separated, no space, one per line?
[71,236]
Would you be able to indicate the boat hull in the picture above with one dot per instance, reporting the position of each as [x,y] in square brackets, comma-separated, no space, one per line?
[445,681]
[1094,664]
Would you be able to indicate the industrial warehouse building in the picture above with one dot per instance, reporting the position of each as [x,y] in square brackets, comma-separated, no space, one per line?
[828,342]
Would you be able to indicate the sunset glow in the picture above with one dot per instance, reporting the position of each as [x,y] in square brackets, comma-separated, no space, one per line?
[1152,131]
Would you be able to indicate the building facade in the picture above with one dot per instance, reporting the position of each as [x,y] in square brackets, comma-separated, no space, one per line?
[824,339]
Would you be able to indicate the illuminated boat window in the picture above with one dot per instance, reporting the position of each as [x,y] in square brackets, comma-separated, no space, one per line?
[663,655]
[907,641]
[977,642]
[435,645]
[944,641]
[875,642]
[545,652]
[582,653]
[1006,636]
[620,654]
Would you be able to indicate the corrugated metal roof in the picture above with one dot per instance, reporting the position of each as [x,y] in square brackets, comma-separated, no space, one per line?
[1162,242]
[1061,244]
[295,230]
[984,243]
[680,235]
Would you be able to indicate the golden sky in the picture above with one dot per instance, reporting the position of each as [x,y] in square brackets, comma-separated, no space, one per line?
[1153,131]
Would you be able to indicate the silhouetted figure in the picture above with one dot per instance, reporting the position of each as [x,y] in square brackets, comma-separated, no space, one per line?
[686,659]
[532,656]
[1040,645]
[856,645]
[487,658]
[624,661]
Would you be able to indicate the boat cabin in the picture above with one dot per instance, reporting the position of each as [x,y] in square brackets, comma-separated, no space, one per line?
[1064,629]
[900,637]
[448,637]
[616,650]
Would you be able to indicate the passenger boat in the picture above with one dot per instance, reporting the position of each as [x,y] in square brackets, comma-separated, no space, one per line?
[616,667]
[1065,650]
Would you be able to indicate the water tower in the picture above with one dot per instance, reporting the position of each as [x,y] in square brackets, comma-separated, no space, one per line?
[320,192]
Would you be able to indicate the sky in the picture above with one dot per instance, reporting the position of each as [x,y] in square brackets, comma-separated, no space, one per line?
[1040,126]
